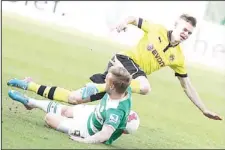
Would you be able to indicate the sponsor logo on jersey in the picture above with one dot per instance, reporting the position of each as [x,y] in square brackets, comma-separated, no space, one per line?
[158,58]
[155,53]
[113,118]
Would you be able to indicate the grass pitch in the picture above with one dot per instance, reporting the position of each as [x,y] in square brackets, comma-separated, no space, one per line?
[56,57]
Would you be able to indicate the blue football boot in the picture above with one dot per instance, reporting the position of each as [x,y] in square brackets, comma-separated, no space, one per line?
[17,96]
[22,84]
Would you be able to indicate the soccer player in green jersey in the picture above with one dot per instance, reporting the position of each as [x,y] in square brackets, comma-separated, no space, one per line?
[104,122]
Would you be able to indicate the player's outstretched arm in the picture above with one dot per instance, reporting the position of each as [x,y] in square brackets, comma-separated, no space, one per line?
[99,137]
[136,21]
[194,97]
[132,20]
[123,25]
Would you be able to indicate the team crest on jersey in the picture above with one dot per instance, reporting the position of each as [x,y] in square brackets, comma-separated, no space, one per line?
[113,118]
[172,57]
[150,47]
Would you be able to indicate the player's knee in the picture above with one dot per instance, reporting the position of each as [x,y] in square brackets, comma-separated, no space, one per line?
[64,111]
[73,97]
[67,112]
[144,84]
[51,120]
[145,89]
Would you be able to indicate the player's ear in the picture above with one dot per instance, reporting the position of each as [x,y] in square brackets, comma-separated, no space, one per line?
[112,86]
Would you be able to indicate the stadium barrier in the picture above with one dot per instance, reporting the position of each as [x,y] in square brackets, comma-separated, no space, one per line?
[206,46]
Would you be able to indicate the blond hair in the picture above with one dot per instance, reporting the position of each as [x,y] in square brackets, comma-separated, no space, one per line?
[121,78]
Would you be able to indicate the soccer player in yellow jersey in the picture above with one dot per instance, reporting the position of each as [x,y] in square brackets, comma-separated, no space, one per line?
[157,49]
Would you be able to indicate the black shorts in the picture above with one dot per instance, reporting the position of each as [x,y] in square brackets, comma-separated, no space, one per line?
[127,62]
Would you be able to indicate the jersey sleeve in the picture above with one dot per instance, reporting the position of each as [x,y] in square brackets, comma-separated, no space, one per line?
[180,70]
[114,117]
[145,25]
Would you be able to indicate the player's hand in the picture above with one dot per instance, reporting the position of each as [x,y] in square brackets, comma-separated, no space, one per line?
[211,115]
[76,138]
[121,27]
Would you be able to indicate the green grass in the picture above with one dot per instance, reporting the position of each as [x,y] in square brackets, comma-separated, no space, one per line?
[56,57]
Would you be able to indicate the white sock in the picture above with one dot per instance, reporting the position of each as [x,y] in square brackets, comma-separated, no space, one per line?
[46,105]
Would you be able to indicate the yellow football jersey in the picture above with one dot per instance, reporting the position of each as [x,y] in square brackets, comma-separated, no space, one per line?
[154,51]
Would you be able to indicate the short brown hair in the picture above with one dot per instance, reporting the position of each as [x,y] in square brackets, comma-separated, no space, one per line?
[192,20]
[121,79]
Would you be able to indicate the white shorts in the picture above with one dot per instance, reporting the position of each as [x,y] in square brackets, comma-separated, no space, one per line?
[78,124]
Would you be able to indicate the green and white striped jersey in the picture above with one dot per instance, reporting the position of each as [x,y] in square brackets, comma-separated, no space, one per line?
[110,112]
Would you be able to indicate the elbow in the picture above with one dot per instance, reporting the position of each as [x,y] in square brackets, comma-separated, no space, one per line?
[185,89]
[188,93]
[105,133]
[105,136]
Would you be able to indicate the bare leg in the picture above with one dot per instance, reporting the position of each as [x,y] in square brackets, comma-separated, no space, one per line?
[59,123]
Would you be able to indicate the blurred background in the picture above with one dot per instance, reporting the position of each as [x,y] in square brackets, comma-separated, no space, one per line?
[97,17]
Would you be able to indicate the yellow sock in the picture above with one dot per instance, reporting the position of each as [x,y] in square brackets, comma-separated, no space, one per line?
[53,93]
[60,94]
[135,86]
[33,87]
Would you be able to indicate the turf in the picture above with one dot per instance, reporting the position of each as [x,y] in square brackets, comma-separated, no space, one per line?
[54,56]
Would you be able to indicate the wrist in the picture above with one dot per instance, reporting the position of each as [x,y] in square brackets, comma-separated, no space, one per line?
[129,20]
[87,141]
[90,140]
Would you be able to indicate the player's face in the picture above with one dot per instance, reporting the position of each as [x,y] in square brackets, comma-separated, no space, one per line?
[109,83]
[182,31]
